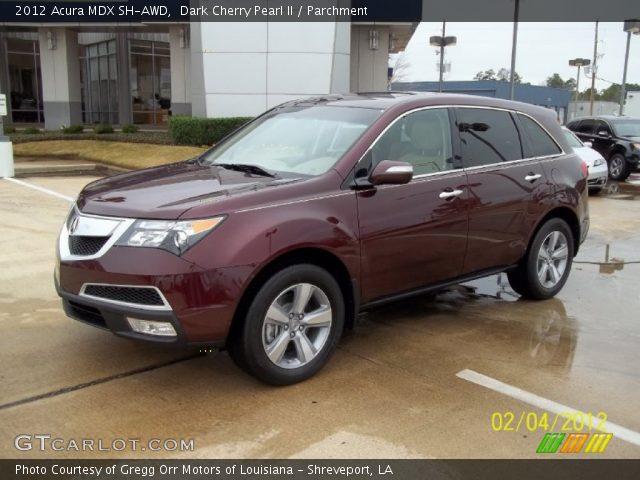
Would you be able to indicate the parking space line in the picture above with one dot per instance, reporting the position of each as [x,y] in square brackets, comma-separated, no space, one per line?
[41,189]
[543,403]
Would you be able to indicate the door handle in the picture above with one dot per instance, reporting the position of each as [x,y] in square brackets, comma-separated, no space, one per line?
[532,177]
[447,195]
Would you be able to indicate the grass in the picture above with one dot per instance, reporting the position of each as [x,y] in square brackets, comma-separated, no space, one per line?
[155,137]
[119,154]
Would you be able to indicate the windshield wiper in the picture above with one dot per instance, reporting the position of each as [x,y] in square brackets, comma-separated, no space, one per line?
[244,167]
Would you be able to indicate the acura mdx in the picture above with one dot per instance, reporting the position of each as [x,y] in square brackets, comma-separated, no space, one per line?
[271,242]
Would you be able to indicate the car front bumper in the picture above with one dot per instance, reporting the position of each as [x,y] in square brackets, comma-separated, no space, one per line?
[598,176]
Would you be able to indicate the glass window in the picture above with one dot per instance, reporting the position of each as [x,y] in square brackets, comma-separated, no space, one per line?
[541,142]
[488,136]
[586,126]
[572,139]
[298,140]
[602,129]
[25,81]
[422,139]
[99,77]
[627,127]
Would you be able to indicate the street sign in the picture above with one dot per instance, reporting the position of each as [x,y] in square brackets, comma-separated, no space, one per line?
[3,105]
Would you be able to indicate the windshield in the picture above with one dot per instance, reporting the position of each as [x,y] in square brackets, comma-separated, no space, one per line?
[627,128]
[572,139]
[300,140]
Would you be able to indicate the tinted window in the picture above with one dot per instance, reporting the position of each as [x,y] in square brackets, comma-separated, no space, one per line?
[541,142]
[572,139]
[627,127]
[602,127]
[586,126]
[488,136]
[422,139]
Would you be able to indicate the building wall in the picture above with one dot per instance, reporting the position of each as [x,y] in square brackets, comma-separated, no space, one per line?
[369,66]
[583,108]
[245,68]
[632,104]
[180,70]
[61,77]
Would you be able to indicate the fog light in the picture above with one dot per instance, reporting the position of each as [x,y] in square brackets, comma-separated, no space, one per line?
[151,327]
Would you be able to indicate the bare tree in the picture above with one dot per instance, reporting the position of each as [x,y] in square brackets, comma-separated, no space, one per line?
[400,68]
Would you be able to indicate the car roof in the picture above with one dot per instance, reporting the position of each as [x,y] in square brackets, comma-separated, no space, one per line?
[387,100]
[609,118]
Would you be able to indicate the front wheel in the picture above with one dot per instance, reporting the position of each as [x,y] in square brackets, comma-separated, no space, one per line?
[546,266]
[292,326]
[618,167]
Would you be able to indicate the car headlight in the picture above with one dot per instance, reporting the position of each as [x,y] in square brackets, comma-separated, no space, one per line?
[636,146]
[175,236]
[598,161]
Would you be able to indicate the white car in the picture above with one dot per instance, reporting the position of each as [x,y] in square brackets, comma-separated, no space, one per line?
[598,170]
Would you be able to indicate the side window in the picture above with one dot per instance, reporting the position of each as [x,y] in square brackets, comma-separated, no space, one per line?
[488,136]
[602,127]
[422,138]
[541,142]
[586,126]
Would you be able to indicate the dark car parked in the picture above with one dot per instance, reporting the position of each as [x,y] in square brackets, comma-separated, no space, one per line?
[617,139]
[270,243]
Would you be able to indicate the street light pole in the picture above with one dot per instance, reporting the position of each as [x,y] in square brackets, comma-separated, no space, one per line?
[593,70]
[441,42]
[578,62]
[630,26]
[513,50]
[444,25]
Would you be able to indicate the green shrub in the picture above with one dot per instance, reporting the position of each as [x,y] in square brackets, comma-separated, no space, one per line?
[203,131]
[9,129]
[73,129]
[31,130]
[129,128]
[103,128]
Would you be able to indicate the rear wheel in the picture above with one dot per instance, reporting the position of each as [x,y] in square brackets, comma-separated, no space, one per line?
[545,269]
[618,167]
[292,326]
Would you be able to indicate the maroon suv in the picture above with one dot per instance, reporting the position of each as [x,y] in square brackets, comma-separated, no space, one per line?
[270,243]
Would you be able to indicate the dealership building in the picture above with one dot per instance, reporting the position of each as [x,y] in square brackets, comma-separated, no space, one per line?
[79,73]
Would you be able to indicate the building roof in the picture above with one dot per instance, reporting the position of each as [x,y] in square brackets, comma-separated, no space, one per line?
[534,94]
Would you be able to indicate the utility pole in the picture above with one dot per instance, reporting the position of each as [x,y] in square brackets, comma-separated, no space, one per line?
[594,68]
[513,50]
[444,25]
[624,74]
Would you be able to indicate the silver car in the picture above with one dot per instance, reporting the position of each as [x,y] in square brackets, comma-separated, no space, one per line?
[598,171]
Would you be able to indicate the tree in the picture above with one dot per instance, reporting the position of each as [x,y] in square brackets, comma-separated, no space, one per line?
[556,81]
[612,92]
[400,68]
[502,75]
[486,75]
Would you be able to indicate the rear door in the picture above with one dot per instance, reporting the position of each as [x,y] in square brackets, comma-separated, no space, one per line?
[413,235]
[584,130]
[504,180]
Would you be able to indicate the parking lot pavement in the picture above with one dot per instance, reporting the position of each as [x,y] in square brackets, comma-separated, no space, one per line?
[393,389]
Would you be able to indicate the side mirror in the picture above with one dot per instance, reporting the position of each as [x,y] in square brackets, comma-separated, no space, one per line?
[388,172]
[604,133]
[588,144]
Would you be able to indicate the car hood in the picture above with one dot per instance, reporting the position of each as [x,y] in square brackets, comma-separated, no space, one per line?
[168,191]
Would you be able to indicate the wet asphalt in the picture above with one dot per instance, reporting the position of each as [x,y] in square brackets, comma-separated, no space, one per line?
[391,390]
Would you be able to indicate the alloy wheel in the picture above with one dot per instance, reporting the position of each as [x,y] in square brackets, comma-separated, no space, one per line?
[552,259]
[616,166]
[297,325]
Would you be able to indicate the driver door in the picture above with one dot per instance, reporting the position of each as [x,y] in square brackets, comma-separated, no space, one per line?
[413,235]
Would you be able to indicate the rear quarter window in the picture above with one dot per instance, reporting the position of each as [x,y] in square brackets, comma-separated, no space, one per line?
[541,142]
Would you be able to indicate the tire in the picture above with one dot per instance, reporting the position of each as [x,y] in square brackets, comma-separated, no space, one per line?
[531,279]
[281,350]
[618,167]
